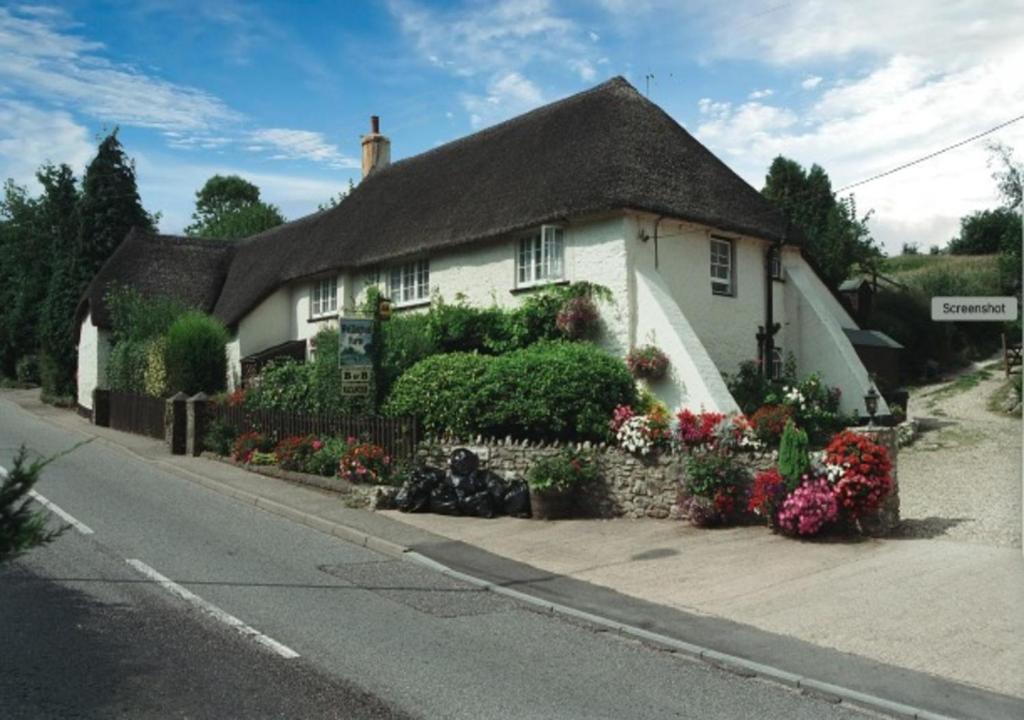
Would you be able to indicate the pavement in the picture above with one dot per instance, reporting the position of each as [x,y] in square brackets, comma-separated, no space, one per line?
[923,627]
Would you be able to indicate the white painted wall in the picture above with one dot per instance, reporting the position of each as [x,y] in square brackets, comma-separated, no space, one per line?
[816,332]
[726,325]
[93,354]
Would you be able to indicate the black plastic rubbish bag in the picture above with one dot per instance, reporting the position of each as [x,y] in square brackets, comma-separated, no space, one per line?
[444,500]
[429,476]
[413,497]
[517,500]
[480,504]
[495,485]
[463,462]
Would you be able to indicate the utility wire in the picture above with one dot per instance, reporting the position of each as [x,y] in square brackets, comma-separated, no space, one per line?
[904,166]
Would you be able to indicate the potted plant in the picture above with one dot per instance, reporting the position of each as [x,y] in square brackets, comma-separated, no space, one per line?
[647,362]
[554,481]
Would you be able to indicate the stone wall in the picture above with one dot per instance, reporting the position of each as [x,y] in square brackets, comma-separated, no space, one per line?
[630,486]
[634,487]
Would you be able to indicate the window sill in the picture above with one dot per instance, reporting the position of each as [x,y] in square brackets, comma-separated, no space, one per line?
[395,307]
[723,294]
[537,286]
[322,318]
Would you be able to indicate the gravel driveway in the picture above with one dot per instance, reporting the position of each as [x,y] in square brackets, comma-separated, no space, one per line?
[961,479]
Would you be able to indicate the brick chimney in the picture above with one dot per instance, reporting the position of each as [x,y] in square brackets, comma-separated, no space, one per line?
[376,148]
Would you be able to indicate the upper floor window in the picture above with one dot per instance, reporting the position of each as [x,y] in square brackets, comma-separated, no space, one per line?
[540,257]
[325,297]
[409,283]
[775,264]
[721,266]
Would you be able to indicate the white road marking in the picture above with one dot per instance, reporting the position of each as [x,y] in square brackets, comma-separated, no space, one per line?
[212,610]
[78,525]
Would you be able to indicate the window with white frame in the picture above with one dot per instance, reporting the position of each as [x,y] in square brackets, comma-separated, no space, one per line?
[324,300]
[775,264]
[777,363]
[540,257]
[721,266]
[409,283]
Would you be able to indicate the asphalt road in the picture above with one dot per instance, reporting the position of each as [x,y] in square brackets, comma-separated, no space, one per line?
[88,634]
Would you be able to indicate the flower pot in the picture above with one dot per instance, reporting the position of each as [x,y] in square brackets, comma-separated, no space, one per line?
[552,505]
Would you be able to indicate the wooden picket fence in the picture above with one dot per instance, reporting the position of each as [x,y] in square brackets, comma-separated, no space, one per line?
[139,414]
[397,435]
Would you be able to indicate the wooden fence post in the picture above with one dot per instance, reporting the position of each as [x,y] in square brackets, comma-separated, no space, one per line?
[175,423]
[101,407]
[196,423]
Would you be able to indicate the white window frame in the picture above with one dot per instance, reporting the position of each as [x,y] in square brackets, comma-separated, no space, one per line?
[540,257]
[778,363]
[775,265]
[722,266]
[323,297]
[409,283]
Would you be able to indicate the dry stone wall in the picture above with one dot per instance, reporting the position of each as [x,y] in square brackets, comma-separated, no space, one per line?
[630,486]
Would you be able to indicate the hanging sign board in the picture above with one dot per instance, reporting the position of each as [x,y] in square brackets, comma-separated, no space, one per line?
[355,355]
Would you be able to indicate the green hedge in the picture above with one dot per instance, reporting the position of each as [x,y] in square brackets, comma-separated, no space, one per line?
[550,390]
[195,357]
[442,391]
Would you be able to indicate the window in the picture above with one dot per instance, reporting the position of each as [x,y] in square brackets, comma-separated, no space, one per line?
[540,257]
[410,283]
[325,297]
[775,265]
[721,266]
[777,363]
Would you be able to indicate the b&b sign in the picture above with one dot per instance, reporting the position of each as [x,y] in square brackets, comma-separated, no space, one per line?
[355,355]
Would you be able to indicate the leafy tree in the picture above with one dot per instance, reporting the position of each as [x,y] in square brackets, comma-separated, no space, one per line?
[110,205]
[21,527]
[910,249]
[834,237]
[229,207]
[335,200]
[988,232]
[33,233]
[1009,178]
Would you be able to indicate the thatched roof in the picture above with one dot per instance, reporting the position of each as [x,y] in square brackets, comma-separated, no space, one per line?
[191,270]
[607,148]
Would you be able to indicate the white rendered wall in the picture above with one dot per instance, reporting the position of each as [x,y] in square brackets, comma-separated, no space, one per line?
[816,329]
[93,353]
[726,325]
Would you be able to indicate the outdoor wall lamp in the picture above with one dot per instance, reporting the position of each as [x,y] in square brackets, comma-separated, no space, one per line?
[871,405]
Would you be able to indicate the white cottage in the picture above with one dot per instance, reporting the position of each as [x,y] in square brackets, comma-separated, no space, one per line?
[602,186]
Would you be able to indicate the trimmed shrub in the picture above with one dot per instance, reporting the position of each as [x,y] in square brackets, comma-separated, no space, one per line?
[407,340]
[154,369]
[794,460]
[442,390]
[552,390]
[195,357]
[126,367]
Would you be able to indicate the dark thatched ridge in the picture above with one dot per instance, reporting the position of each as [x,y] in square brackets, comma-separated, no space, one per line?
[191,270]
[607,148]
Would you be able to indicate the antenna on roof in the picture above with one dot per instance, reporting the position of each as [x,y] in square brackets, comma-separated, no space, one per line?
[647,79]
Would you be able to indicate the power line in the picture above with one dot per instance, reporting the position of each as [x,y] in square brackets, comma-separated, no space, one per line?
[904,166]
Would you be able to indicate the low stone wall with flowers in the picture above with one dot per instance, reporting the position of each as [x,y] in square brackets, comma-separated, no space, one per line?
[630,486]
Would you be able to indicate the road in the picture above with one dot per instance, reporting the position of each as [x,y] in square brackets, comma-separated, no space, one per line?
[322,628]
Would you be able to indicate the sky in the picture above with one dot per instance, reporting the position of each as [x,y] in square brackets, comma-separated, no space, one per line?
[280,92]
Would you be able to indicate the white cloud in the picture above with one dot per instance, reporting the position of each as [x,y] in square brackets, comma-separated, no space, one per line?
[759,94]
[948,32]
[863,126]
[67,70]
[31,136]
[291,144]
[507,95]
[584,69]
[811,82]
[168,185]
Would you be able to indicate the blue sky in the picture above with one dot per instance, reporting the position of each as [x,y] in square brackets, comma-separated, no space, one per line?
[280,92]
